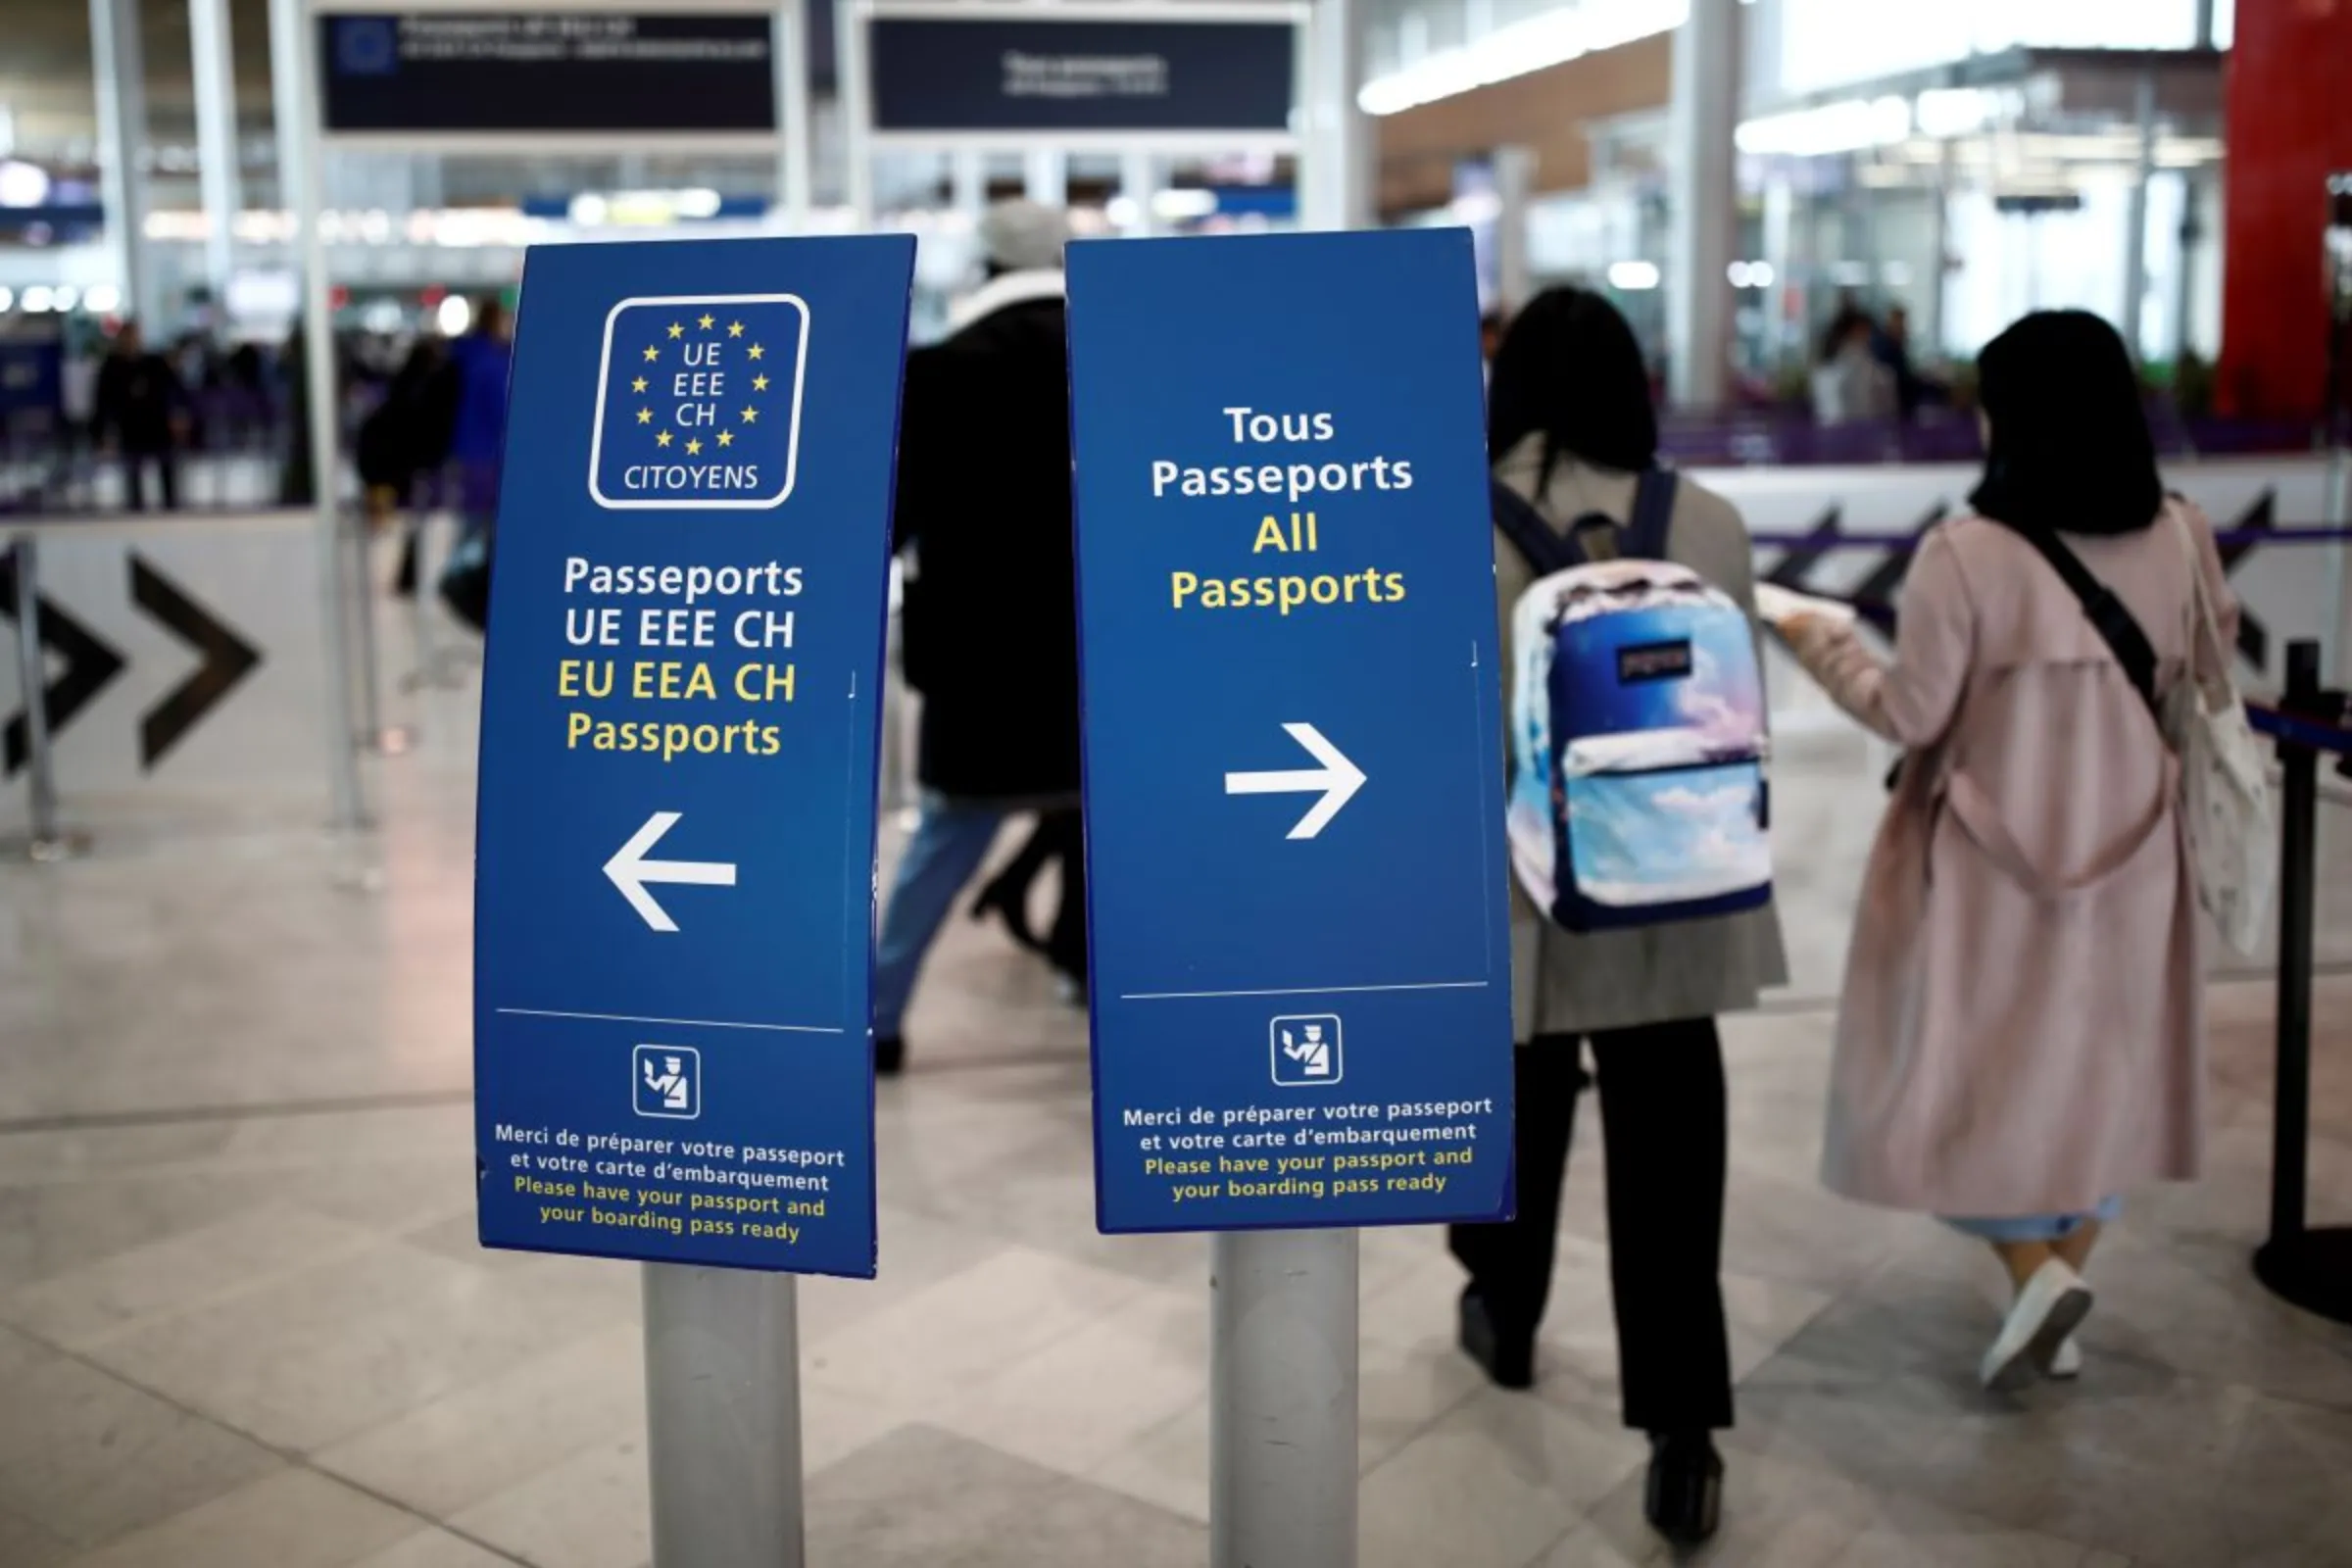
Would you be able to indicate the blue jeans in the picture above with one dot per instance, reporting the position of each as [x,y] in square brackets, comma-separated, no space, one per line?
[2035,1227]
[949,842]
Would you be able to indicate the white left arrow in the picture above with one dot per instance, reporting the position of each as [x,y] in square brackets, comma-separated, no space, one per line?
[1337,778]
[630,871]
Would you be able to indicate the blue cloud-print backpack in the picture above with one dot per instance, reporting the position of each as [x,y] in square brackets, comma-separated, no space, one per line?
[1638,738]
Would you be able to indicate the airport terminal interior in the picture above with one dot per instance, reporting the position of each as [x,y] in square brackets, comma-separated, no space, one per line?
[247,1318]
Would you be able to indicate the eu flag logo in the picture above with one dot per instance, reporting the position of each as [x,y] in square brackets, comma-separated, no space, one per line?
[698,402]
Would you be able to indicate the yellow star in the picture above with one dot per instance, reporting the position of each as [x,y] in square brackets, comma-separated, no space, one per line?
[637,385]
[734,329]
[751,415]
[662,439]
[726,438]
[644,415]
[705,322]
[652,352]
[694,444]
[675,330]
[758,383]
[755,351]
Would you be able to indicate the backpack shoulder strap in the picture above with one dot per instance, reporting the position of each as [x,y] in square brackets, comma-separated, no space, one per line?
[1544,549]
[2108,614]
[1652,519]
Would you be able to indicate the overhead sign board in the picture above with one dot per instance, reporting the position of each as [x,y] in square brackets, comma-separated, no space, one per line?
[674,866]
[556,72]
[994,74]
[1294,752]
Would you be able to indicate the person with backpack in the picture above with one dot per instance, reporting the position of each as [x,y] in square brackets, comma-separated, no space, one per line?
[1573,439]
[2020,1038]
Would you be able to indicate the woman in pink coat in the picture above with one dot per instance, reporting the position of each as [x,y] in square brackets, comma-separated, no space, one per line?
[2021,1040]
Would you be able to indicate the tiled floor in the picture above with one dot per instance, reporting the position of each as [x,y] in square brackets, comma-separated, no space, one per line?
[244,1324]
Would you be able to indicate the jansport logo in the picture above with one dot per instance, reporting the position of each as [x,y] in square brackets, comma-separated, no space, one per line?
[698,402]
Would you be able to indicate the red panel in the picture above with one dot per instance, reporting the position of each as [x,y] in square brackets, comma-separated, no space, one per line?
[2289,127]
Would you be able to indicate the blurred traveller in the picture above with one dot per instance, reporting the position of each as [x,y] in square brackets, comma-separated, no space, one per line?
[991,619]
[2022,1034]
[1570,425]
[479,364]
[142,411]
[1850,385]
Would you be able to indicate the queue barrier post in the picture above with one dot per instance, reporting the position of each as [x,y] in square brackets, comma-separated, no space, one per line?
[2309,1266]
[44,840]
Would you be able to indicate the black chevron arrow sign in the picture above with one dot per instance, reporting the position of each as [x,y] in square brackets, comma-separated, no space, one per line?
[228,660]
[88,665]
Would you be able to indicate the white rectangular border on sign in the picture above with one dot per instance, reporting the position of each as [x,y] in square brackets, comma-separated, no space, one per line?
[791,443]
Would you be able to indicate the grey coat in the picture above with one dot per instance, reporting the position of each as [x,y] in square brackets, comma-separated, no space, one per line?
[1564,982]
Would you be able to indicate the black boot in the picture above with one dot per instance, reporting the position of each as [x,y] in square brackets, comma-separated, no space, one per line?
[1508,1358]
[890,1054]
[1683,1500]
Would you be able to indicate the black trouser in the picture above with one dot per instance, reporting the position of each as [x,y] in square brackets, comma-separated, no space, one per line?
[1663,1119]
[135,476]
[1057,837]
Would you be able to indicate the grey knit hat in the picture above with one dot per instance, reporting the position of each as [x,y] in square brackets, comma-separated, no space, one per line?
[1024,235]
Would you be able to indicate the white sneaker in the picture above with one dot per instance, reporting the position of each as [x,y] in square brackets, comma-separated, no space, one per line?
[2045,1314]
[2066,1362]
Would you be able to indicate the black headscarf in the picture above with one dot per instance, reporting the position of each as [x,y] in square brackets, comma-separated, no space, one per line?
[2069,449]
[1569,367]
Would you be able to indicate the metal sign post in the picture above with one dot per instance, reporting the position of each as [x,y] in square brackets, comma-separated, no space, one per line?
[1282,1436]
[1300,995]
[723,1417]
[44,840]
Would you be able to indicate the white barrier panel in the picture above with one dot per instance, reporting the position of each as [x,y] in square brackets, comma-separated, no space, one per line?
[184,664]
[2287,590]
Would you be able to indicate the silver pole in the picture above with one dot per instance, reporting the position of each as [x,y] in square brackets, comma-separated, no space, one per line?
[1283,1399]
[385,740]
[1702,202]
[793,176]
[46,841]
[2338,505]
[855,93]
[722,1416]
[318,342]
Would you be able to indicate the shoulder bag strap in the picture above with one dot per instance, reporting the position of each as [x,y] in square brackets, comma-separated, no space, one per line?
[2108,614]
[1652,519]
[1544,549]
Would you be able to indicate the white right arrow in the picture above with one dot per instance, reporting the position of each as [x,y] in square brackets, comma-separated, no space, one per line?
[1337,778]
[630,871]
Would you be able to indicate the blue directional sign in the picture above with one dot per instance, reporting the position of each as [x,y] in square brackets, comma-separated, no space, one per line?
[674,869]
[1294,753]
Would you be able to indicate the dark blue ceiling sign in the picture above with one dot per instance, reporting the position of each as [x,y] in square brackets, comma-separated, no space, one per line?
[1006,74]
[565,72]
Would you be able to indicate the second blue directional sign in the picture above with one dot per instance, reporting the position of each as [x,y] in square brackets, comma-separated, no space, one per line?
[1294,796]
[674,868]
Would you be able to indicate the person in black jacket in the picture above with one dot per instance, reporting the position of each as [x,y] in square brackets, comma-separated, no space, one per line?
[990,634]
[142,411]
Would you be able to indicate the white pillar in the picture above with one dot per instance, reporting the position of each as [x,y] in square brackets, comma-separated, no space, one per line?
[118,78]
[1046,176]
[1138,183]
[794,178]
[214,66]
[1702,173]
[967,179]
[2135,233]
[1336,181]
[287,93]
[1283,1399]
[1514,184]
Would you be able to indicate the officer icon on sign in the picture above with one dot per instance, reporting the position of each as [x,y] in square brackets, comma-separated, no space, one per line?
[669,1082]
[1306,1051]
